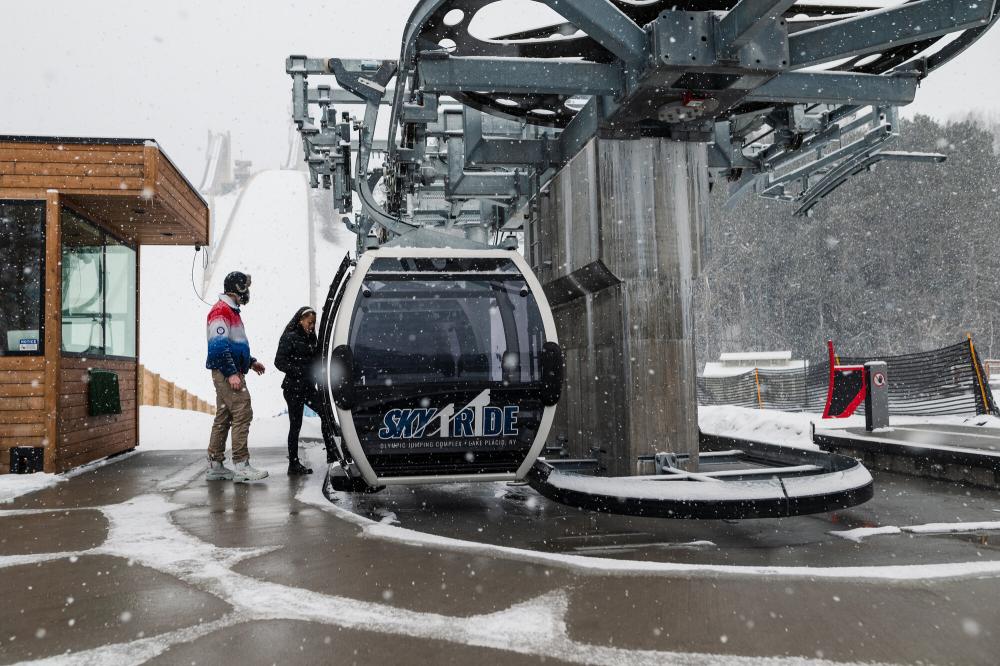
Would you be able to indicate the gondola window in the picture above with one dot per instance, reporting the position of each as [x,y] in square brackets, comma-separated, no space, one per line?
[483,330]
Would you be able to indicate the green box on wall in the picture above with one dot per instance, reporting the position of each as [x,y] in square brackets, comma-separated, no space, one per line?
[103,394]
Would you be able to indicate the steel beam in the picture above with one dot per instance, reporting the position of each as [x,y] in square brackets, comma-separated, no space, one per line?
[837,88]
[518,75]
[606,24]
[300,64]
[837,176]
[492,152]
[344,97]
[869,142]
[481,151]
[364,78]
[873,32]
[323,95]
[479,184]
[920,158]
[300,103]
[746,19]
[582,128]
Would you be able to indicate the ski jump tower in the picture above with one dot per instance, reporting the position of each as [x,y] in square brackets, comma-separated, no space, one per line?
[597,137]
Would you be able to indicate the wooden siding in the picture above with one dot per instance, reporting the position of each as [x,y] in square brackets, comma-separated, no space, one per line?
[22,404]
[131,187]
[83,438]
[53,324]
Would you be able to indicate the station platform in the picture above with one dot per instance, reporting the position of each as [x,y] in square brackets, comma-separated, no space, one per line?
[957,453]
[143,558]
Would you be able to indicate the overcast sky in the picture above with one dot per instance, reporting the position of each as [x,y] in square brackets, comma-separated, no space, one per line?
[174,70]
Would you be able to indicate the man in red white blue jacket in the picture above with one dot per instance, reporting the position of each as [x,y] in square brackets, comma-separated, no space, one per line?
[229,360]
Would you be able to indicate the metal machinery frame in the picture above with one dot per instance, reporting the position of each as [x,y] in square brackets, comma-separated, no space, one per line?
[791,98]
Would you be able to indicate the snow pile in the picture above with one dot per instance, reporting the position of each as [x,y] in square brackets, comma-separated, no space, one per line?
[13,486]
[952,528]
[791,429]
[164,429]
[860,533]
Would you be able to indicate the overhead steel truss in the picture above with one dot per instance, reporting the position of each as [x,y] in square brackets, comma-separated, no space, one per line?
[792,98]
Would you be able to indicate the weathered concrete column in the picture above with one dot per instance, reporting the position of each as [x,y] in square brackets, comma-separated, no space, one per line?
[617,239]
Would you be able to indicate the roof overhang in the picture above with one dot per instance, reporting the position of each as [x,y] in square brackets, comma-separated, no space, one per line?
[128,185]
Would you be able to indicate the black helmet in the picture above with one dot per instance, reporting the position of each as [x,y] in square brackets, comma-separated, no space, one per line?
[239,284]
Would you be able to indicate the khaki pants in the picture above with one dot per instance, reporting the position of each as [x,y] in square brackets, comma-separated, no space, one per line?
[232,410]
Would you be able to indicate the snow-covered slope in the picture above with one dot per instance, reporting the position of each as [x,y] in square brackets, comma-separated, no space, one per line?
[172,319]
[162,428]
[268,236]
[268,239]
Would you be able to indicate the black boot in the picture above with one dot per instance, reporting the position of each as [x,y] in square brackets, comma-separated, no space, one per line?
[295,468]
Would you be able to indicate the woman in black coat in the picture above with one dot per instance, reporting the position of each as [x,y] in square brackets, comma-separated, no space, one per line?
[297,357]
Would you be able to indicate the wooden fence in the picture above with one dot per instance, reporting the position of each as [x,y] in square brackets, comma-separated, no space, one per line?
[159,392]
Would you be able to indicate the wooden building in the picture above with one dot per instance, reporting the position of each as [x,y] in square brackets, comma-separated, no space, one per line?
[74,214]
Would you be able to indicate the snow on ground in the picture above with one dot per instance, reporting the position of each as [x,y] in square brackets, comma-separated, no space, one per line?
[13,486]
[952,528]
[163,428]
[141,531]
[312,493]
[794,428]
[267,235]
[160,429]
[860,533]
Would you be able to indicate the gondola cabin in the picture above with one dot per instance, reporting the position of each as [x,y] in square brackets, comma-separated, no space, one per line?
[443,365]
[74,214]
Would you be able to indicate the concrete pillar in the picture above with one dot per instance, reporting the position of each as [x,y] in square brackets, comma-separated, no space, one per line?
[617,239]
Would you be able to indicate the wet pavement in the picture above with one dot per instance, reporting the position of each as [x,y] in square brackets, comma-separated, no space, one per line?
[945,452]
[142,561]
[986,440]
[514,515]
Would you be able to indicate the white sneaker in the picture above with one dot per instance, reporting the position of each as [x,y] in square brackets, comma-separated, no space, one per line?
[217,471]
[243,472]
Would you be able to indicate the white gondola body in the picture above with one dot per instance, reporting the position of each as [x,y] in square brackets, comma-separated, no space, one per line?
[403,431]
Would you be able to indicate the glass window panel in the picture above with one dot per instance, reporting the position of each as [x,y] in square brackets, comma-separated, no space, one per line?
[22,228]
[82,286]
[446,330]
[119,298]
